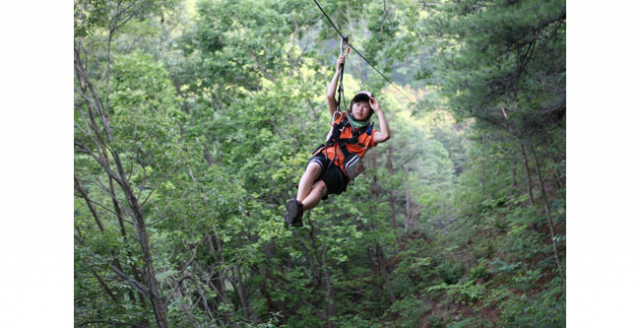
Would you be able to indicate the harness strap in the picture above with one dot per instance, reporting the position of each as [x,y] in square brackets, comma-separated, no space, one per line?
[342,142]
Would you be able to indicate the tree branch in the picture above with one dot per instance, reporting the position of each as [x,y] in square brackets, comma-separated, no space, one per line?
[134,283]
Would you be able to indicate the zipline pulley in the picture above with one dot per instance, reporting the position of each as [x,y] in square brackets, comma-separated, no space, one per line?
[345,42]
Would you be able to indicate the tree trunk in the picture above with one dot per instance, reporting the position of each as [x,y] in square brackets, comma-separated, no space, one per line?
[330,302]
[143,240]
[218,278]
[514,174]
[547,211]
[407,222]
[557,180]
[207,155]
[526,171]
[241,296]
[104,285]
[391,197]
[484,168]
[382,263]
[123,232]
[85,195]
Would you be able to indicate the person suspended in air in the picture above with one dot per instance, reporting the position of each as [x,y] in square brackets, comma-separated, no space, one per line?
[338,161]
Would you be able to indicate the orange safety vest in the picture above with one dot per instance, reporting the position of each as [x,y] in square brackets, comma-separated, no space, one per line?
[346,142]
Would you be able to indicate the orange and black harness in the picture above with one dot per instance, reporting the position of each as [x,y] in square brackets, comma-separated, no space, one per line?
[340,136]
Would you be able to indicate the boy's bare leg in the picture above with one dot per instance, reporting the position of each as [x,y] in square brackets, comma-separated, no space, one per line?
[311,174]
[319,190]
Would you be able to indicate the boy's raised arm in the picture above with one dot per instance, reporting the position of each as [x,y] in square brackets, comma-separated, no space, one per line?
[384,134]
[331,90]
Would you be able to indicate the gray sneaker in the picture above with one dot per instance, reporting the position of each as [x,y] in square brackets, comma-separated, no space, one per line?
[293,216]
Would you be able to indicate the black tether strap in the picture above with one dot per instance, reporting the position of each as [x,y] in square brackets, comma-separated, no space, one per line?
[341,98]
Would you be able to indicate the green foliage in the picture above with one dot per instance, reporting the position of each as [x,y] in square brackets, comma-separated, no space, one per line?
[480,271]
[465,293]
[407,312]
[449,272]
[494,59]
[545,309]
[470,322]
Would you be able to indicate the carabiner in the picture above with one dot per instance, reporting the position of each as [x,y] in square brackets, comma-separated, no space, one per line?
[336,112]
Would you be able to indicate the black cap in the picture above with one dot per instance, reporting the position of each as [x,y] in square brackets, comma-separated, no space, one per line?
[362,96]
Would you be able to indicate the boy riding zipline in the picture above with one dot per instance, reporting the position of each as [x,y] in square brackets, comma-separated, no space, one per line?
[339,161]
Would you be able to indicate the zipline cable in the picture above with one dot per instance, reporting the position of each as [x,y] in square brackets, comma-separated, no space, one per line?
[358,52]
[393,84]
[327,16]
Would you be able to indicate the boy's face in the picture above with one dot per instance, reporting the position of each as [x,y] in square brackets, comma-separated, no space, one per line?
[361,110]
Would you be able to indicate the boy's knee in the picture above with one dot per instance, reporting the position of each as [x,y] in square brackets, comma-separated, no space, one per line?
[323,187]
[314,168]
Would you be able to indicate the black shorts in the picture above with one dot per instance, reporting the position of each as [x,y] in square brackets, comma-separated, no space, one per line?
[332,175]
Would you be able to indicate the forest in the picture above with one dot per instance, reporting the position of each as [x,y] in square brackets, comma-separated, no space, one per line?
[194,121]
